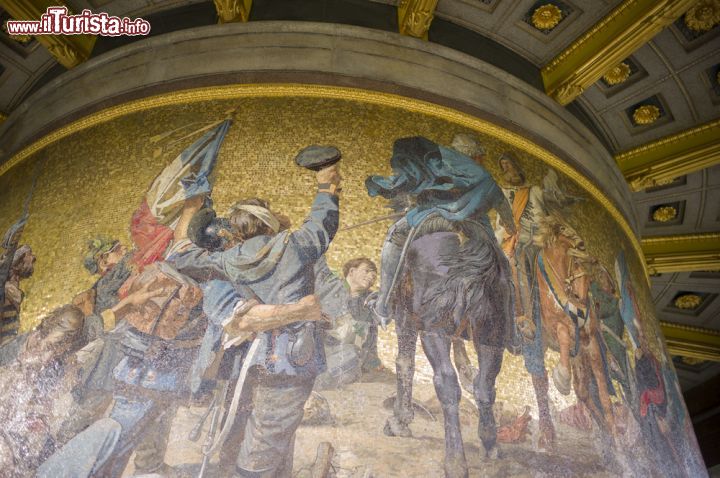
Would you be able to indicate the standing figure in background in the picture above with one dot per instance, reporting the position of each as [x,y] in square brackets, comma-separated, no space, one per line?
[360,274]
[17,263]
[530,206]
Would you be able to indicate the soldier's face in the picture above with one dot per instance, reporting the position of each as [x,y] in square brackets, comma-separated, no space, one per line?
[361,278]
[111,258]
[28,266]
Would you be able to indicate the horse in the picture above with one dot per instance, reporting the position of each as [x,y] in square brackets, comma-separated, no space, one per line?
[453,285]
[569,325]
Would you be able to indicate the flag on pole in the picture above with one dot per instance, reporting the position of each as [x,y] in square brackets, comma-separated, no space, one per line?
[188,175]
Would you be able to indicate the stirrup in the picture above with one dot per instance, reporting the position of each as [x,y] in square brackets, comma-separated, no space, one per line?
[372,302]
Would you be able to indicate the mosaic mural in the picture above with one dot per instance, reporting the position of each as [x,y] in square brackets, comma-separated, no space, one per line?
[238,287]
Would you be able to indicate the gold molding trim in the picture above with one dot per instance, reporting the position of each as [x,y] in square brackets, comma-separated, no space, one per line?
[3,117]
[690,252]
[688,341]
[333,92]
[68,50]
[672,156]
[230,11]
[415,17]
[629,26]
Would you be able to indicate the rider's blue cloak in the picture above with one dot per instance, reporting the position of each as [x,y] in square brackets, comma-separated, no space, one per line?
[441,179]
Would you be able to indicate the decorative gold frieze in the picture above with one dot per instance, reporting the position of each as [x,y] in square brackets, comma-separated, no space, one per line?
[688,301]
[230,11]
[415,17]
[694,342]
[68,50]
[703,16]
[546,17]
[618,74]
[629,26]
[664,214]
[664,182]
[646,114]
[690,252]
[3,117]
[671,156]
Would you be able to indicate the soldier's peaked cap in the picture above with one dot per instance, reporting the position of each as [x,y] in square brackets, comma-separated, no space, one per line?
[317,157]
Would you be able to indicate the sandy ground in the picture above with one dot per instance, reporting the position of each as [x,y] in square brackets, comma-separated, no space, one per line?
[363,451]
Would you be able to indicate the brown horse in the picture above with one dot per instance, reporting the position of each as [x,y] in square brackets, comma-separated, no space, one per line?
[569,324]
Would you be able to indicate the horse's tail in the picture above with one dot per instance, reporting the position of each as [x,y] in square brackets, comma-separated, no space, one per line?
[469,295]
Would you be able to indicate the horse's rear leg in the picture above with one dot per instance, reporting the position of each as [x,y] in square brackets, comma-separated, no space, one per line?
[489,363]
[447,388]
[397,425]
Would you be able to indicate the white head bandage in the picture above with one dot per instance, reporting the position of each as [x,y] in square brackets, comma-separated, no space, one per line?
[467,145]
[261,213]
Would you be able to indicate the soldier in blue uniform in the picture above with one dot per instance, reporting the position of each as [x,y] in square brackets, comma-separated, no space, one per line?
[277,268]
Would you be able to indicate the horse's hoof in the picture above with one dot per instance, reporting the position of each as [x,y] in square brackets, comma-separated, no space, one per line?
[561,379]
[546,443]
[456,467]
[395,428]
[487,429]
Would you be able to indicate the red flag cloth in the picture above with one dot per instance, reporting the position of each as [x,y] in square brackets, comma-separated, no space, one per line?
[151,238]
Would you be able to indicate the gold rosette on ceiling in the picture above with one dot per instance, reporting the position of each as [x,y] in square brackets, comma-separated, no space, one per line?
[664,214]
[619,74]
[688,301]
[646,114]
[546,17]
[703,16]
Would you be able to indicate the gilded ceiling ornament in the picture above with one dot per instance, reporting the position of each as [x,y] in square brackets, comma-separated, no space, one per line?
[646,114]
[566,93]
[663,182]
[618,74]
[688,301]
[546,17]
[703,16]
[692,360]
[664,214]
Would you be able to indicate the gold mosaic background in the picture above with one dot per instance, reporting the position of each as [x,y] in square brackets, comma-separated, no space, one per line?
[91,182]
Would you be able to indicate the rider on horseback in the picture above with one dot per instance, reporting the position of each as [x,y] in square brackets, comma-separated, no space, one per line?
[446,189]
[447,277]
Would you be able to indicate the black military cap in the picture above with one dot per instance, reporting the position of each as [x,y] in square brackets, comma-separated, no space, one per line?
[204,229]
[317,157]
